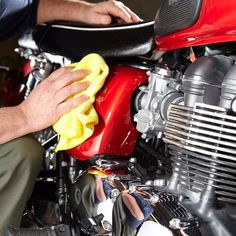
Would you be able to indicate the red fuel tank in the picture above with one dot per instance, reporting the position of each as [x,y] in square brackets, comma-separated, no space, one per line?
[215,23]
[115,133]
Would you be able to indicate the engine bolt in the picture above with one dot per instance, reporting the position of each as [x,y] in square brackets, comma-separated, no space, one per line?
[234,105]
[62,228]
[174,223]
[132,188]
[154,199]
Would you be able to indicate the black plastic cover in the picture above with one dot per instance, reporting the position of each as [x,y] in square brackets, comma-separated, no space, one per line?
[75,41]
[175,15]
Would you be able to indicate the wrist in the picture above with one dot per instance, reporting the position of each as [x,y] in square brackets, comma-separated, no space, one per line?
[13,123]
[25,119]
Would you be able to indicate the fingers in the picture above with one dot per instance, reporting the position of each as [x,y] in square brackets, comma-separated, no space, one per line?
[116,9]
[69,91]
[58,73]
[134,17]
[61,85]
[103,19]
[66,84]
[69,78]
[70,104]
[124,13]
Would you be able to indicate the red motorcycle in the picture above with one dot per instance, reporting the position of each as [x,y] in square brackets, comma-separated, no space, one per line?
[166,134]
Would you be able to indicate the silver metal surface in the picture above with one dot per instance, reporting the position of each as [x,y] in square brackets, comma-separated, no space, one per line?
[202,142]
[154,100]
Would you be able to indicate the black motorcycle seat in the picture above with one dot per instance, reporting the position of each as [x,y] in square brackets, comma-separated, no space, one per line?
[75,41]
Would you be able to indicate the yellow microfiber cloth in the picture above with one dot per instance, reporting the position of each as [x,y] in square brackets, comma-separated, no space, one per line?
[78,125]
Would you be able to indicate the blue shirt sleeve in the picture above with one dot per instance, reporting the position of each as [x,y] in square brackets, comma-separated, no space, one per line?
[17,16]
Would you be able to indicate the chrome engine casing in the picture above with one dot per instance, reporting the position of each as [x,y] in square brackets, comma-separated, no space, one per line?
[153,101]
[200,132]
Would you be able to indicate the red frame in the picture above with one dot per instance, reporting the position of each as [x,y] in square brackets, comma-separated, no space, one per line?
[216,23]
[115,134]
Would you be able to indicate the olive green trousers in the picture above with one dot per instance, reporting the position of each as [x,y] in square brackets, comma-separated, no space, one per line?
[20,163]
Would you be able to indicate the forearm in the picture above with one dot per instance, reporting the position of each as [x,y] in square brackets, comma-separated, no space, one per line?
[12,124]
[69,10]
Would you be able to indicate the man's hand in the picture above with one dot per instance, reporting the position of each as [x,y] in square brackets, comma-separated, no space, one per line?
[81,11]
[102,13]
[49,100]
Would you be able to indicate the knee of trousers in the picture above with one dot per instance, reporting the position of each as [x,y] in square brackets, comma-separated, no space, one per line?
[27,151]
[20,163]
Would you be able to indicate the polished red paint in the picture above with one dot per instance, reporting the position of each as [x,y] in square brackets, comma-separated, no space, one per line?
[26,68]
[115,134]
[13,86]
[216,23]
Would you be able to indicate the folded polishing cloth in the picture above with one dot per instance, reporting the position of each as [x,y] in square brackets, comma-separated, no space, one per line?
[78,125]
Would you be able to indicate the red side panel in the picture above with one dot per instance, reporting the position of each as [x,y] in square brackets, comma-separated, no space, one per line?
[217,23]
[115,134]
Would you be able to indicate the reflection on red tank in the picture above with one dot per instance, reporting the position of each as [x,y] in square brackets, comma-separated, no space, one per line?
[115,134]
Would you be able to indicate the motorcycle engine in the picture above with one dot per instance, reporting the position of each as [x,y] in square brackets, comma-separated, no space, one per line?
[194,114]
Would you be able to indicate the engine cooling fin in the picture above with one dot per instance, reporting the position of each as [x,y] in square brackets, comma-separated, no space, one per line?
[202,142]
[174,207]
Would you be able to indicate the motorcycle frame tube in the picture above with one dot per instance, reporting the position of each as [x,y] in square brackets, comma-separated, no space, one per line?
[115,133]
[216,24]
